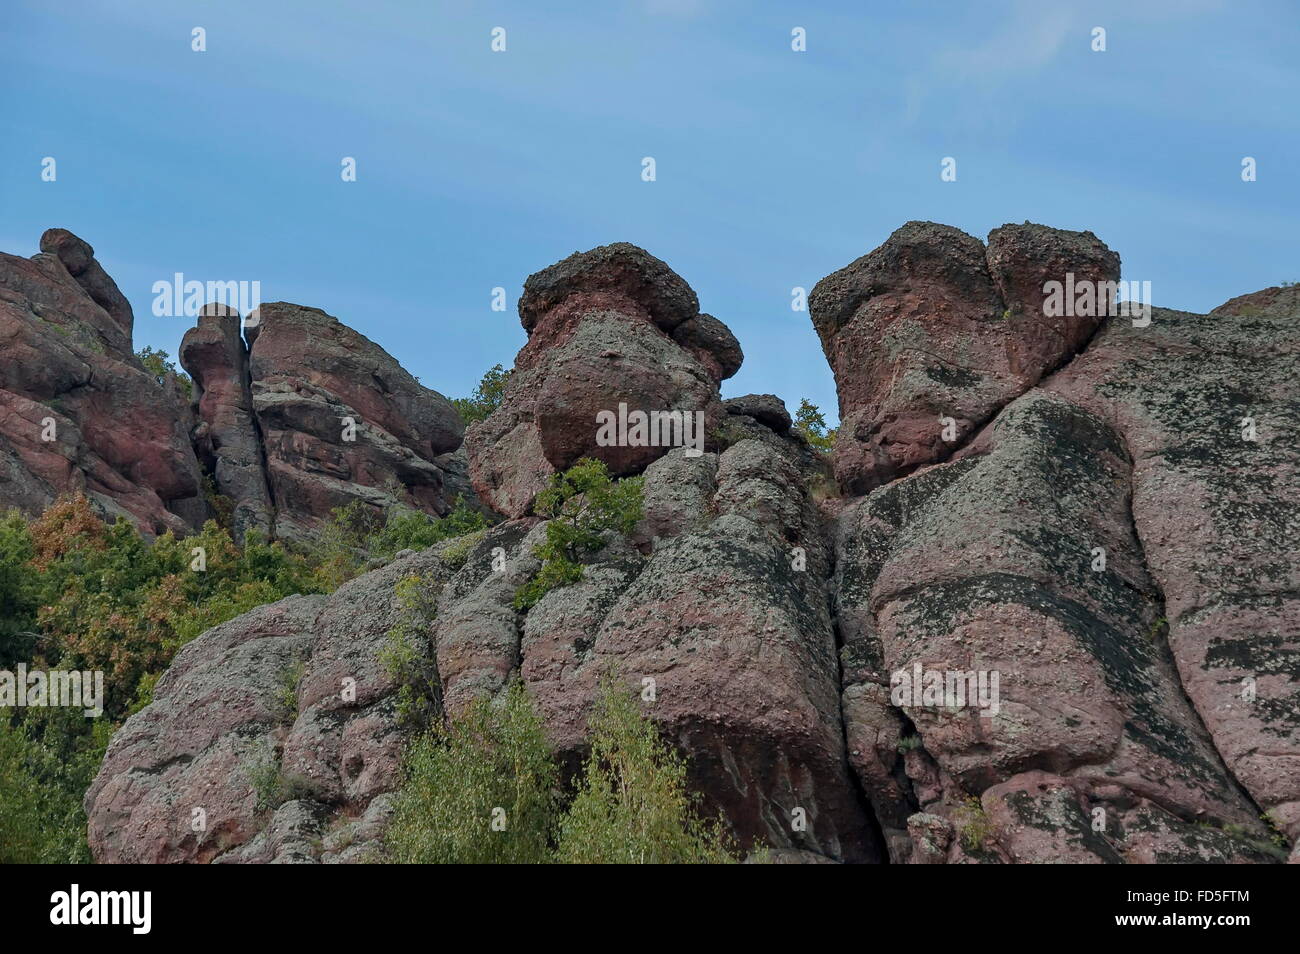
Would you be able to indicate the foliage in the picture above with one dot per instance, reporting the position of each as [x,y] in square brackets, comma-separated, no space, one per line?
[359,535]
[159,364]
[909,743]
[109,600]
[47,761]
[482,790]
[406,656]
[633,806]
[77,593]
[486,398]
[810,422]
[973,824]
[583,503]
[493,762]
[19,591]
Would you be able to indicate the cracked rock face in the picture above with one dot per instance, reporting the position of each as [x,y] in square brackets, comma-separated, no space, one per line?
[295,692]
[227,437]
[312,415]
[1114,545]
[1112,536]
[341,420]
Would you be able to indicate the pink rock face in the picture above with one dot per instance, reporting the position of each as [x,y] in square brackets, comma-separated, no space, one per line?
[609,327]
[1112,536]
[988,564]
[220,721]
[340,420]
[78,413]
[728,624]
[1206,406]
[1116,539]
[931,334]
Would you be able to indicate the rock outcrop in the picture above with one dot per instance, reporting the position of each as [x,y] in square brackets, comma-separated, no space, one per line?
[78,412]
[932,333]
[611,330]
[337,419]
[1105,547]
[227,437]
[313,417]
[1114,545]
[289,703]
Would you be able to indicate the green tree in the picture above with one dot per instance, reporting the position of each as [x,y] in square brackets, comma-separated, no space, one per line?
[583,503]
[19,591]
[486,398]
[482,790]
[810,422]
[633,805]
[158,363]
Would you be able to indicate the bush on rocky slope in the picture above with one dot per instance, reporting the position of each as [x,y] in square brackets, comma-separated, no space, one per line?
[486,789]
[77,593]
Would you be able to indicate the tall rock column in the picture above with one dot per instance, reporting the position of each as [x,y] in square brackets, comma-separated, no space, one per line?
[214,354]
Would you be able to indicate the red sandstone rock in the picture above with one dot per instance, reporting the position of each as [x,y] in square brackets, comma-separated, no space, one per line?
[609,327]
[115,432]
[340,420]
[932,331]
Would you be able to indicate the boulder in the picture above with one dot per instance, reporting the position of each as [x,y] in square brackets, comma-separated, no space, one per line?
[767,409]
[931,334]
[289,704]
[613,331]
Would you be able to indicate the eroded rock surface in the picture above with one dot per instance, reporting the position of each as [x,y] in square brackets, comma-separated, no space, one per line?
[932,333]
[607,329]
[341,420]
[227,438]
[291,698]
[78,412]
[1112,535]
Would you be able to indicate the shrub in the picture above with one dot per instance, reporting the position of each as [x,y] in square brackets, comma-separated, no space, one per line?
[109,600]
[973,824]
[406,656]
[582,503]
[486,398]
[483,790]
[633,806]
[810,422]
[359,535]
[47,761]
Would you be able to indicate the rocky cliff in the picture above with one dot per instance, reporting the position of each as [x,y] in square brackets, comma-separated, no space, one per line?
[293,413]
[1097,510]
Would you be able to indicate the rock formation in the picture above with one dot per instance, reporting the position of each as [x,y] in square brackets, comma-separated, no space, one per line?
[932,326]
[1108,531]
[609,328]
[327,416]
[78,412]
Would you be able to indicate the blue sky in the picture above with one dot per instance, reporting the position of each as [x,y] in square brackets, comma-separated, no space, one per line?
[774,168]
